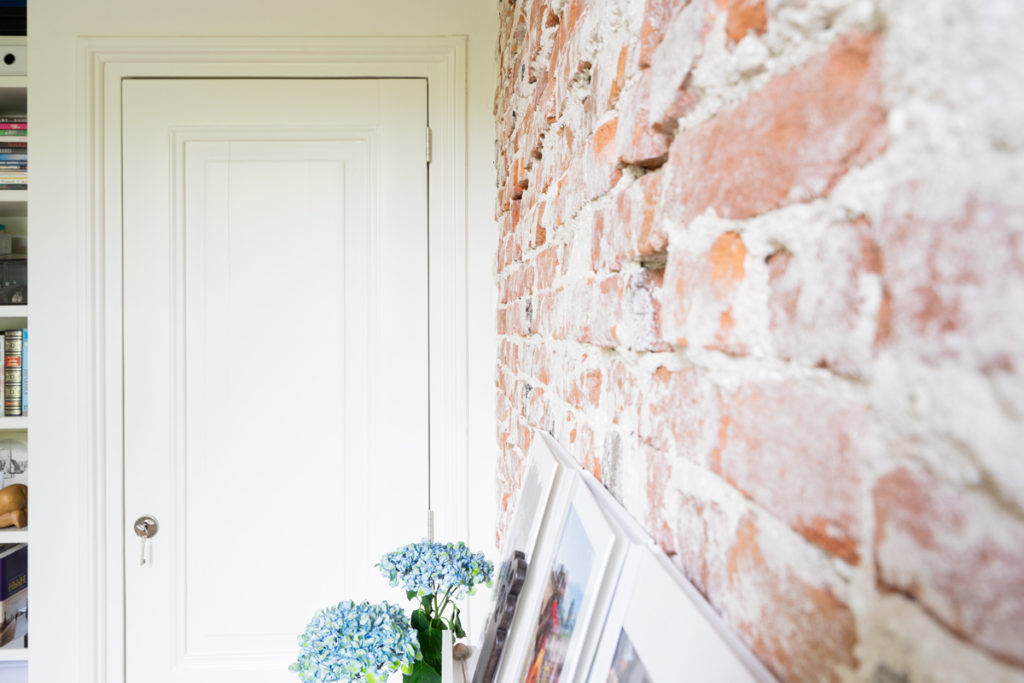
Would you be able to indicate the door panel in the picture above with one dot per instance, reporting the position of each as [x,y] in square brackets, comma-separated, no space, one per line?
[275,360]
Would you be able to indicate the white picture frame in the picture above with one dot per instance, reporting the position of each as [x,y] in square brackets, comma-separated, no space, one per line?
[545,449]
[543,469]
[565,585]
[652,594]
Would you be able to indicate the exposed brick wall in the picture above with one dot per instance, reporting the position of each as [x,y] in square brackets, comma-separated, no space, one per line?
[761,270]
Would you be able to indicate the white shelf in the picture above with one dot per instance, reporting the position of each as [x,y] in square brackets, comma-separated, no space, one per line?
[13,654]
[8,424]
[13,202]
[12,534]
[13,311]
[13,81]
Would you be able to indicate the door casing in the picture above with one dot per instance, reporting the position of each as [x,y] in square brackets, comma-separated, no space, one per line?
[105,63]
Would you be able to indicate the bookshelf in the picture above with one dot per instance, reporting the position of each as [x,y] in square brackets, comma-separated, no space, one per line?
[14,215]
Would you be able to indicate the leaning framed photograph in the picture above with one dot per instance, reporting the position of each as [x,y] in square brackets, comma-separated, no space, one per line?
[571,577]
[542,468]
[518,547]
[637,647]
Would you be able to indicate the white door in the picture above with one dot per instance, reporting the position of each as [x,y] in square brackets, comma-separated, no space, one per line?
[275,361]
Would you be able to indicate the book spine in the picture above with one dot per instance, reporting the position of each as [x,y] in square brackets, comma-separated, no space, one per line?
[12,372]
[13,572]
[13,133]
[13,126]
[14,118]
[24,371]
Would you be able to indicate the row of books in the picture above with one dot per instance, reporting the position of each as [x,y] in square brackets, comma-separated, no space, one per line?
[13,595]
[13,153]
[15,375]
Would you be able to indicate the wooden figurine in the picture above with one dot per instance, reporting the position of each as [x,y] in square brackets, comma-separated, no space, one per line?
[14,505]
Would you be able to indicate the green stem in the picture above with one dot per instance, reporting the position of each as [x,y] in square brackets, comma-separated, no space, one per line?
[444,603]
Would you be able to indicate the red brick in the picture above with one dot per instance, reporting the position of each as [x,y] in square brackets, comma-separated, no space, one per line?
[955,552]
[745,16]
[612,240]
[548,265]
[795,450]
[624,393]
[803,631]
[952,271]
[700,291]
[647,216]
[671,65]
[790,142]
[607,308]
[701,530]
[637,143]
[658,15]
[679,415]
[817,301]
[645,311]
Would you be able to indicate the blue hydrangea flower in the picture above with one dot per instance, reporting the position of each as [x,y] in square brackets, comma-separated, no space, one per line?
[427,568]
[354,642]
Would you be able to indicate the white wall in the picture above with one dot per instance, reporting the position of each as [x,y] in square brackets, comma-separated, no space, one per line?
[59,576]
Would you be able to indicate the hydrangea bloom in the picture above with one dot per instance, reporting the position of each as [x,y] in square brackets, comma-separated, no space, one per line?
[427,568]
[353,641]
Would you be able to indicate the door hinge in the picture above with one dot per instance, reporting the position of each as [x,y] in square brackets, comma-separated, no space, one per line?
[428,145]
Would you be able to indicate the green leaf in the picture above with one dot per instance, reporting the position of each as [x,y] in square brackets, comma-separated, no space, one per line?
[419,620]
[410,595]
[423,673]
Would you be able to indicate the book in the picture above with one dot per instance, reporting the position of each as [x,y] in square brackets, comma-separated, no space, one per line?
[13,594]
[13,568]
[24,371]
[12,372]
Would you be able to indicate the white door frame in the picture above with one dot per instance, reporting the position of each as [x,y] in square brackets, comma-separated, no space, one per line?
[103,64]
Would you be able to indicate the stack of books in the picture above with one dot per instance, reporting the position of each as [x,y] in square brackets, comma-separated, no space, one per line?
[13,153]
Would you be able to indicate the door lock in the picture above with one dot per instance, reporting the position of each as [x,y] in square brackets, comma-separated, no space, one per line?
[146,527]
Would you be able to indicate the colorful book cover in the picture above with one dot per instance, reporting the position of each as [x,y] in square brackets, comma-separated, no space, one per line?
[24,371]
[12,372]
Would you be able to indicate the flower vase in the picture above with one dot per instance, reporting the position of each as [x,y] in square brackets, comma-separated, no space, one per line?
[447,663]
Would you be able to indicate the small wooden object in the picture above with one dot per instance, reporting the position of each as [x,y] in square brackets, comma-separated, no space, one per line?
[14,505]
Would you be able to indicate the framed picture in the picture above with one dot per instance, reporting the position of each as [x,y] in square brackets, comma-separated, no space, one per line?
[636,647]
[517,551]
[569,577]
[542,469]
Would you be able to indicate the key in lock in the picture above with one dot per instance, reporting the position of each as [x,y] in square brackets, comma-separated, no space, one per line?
[146,528]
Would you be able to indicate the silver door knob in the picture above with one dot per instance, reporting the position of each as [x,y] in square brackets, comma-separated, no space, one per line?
[146,527]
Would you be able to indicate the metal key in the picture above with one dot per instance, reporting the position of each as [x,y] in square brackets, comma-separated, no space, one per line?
[146,528]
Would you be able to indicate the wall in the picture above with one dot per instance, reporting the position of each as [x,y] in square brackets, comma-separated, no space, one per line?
[63,601]
[761,270]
